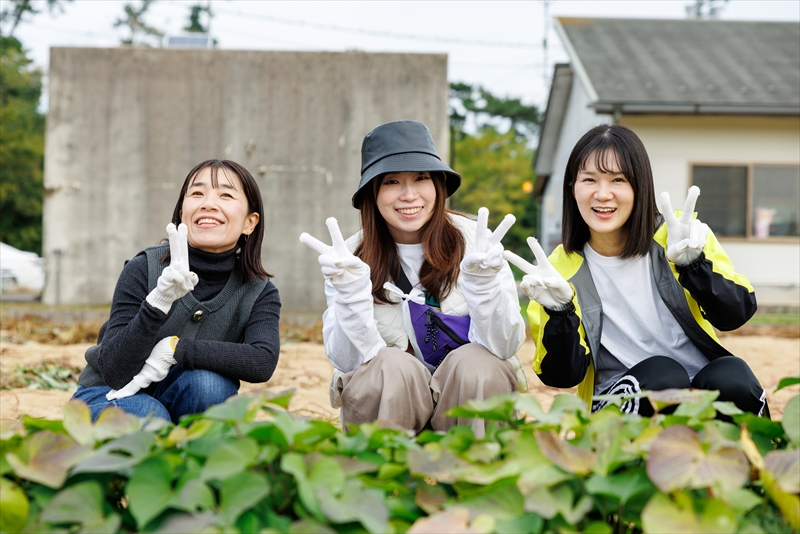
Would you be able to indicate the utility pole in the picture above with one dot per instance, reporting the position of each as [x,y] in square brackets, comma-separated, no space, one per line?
[545,62]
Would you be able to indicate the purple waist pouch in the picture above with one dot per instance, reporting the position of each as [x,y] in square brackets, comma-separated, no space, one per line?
[437,333]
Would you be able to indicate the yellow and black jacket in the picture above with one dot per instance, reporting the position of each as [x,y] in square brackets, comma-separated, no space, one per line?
[705,294]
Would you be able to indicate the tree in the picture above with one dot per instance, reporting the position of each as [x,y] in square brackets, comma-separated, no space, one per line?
[15,10]
[498,174]
[21,148]
[497,167]
[195,25]
[141,32]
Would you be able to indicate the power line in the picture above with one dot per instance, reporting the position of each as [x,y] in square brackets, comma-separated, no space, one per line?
[376,33]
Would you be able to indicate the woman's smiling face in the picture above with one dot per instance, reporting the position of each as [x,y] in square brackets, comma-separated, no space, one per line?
[406,201]
[216,216]
[605,200]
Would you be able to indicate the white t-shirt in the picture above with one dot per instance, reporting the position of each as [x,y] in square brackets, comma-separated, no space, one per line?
[636,322]
[411,258]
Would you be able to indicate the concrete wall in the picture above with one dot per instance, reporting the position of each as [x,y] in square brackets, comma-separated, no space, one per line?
[126,125]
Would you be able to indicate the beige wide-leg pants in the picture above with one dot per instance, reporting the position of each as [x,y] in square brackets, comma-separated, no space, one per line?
[395,386]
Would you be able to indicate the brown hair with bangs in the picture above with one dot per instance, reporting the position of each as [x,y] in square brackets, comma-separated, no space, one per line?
[250,255]
[631,157]
[442,244]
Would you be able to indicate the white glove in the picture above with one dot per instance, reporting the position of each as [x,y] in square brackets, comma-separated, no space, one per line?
[339,265]
[685,237]
[541,282]
[486,257]
[155,369]
[176,280]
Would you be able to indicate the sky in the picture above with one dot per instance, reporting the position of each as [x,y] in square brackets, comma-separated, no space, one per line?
[498,45]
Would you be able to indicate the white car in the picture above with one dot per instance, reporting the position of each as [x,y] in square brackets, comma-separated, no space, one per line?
[23,274]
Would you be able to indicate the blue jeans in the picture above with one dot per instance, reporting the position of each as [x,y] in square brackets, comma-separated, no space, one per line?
[182,392]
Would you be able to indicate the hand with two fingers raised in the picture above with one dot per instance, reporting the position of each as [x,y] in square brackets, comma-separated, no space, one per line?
[339,265]
[486,256]
[541,283]
[685,236]
[176,279]
[155,369]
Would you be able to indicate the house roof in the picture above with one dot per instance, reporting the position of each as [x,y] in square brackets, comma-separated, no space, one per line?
[686,66]
[551,125]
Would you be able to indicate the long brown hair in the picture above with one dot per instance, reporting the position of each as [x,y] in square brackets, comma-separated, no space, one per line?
[631,156]
[442,244]
[250,256]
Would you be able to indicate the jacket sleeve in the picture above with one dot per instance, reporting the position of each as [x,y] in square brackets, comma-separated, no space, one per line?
[496,321]
[349,329]
[254,360]
[132,327]
[726,298]
[562,354]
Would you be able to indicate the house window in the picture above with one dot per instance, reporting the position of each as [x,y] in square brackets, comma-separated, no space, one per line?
[760,201]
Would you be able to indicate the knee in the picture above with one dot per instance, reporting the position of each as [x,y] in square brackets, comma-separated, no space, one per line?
[660,372]
[209,387]
[731,376]
[394,363]
[472,363]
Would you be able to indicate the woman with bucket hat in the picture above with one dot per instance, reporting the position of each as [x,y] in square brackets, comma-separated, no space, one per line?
[423,313]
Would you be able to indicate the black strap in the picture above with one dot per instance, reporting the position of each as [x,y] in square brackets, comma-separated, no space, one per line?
[403,283]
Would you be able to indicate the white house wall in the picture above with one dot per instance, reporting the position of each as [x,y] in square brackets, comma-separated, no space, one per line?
[675,143]
[578,119]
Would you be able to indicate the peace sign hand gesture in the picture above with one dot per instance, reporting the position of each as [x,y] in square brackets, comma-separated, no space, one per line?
[685,236]
[339,265]
[541,282]
[486,257]
[176,279]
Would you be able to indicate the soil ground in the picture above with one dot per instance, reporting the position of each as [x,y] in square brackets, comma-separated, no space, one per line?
[304,366]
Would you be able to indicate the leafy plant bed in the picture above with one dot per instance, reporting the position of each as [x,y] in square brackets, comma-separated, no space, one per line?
[564,470]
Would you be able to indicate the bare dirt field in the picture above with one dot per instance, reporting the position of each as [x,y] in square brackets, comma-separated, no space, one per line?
[303,366]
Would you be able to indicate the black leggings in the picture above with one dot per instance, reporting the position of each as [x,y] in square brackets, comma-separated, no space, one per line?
[730,375]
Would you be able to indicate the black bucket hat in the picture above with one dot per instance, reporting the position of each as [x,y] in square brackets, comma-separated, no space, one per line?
[401,146]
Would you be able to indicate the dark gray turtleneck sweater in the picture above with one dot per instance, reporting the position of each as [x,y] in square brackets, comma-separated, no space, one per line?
[132,329]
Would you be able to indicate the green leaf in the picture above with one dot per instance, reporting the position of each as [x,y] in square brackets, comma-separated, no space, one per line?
[194,496]
[230,458]
[664,515]
[501,500]
[307,526]
[483,452]
[78,422]
[540,477]
[113,422]
[107,525]
[791,419]
[391,470]
[233,410]
[696,400]
[563,404]
[742,500]
[623,486]
[294,464]
[355,504]
[81,503]
[677,460]
[14,506]
[565,455]
[522,523]
[240,492]
[12,429]
[49,458]
[431,498]
[497,408]
[436,462]
[785,468]
[605,432]
[787,381]
[149,490]
[553,501]
[121,453]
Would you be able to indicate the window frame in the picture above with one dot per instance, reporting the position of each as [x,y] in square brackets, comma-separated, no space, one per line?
[748,237]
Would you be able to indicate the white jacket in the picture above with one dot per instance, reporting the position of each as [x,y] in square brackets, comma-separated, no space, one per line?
[355,328]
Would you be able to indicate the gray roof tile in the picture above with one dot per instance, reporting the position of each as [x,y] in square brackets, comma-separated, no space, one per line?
[693,62]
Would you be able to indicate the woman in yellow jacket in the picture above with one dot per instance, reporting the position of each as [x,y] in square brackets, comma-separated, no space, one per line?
[630,300]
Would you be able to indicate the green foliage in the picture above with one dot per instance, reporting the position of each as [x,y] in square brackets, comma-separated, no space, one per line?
[195,12]
[565,470]
[14,11]
[498,175]
[141,33]
[21,148]
[45,374]
[486,108]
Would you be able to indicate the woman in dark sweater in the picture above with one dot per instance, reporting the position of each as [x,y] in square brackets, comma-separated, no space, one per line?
[189,320]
